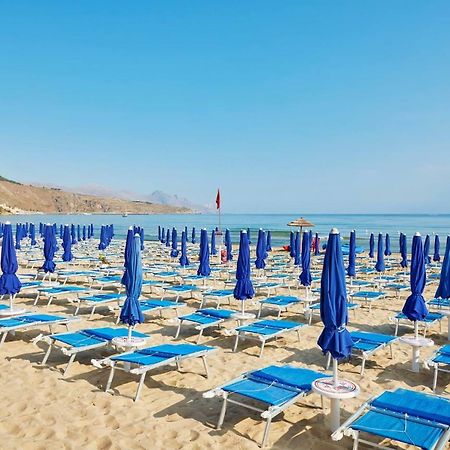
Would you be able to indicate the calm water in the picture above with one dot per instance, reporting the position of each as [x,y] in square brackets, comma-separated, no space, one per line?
[364,224]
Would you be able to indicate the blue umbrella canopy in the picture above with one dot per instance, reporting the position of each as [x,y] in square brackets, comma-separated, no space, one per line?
[228,245]
[203,269]
[84,232]
[127,255]
[163,235]
[443,290]
[67,245]
[244,287]
[102,244]
[49,250]
[335,337]
[174,251]
[426,250]
[159,232]
[213,243]
[184,261]
[32,234]
[414,307]
[305,276]
[18,235]
[269,241]
[131,312]
[249,236]
[72,232]
[297,255]
[387,250]
[193,235]
[78,233]
[141,236]
[403,251]
[9,283]
[168,238]
[260,250]
[437,244]
[371,245]
[61,231]
[379,266]
[351,269]
[291,244]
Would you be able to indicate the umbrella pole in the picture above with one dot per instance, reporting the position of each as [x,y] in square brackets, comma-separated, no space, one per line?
[130,330]
[416,329]
[243,307]
[11,298]
[335,372]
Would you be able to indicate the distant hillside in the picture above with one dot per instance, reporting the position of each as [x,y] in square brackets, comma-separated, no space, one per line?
[16,198]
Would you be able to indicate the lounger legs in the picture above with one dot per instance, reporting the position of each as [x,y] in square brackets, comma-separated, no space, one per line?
[236,342]
[47,354]
[266,431]
[222,411]
[435,377]
[262,348]
[363,365]
[3,338]
[199,336]
[356,440]
[92,313]
[71,360]
[110,378]
[205,365]
[139,388]
[178,330]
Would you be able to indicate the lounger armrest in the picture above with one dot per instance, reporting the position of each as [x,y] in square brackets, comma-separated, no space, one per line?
[101,363]
[345,429]
[42,337]
[217,392]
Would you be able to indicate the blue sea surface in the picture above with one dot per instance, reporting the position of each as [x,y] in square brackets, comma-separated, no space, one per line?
[364,224]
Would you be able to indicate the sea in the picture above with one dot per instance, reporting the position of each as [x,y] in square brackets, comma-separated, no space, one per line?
[363,224]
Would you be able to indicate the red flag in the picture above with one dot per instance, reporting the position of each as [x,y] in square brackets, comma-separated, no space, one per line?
[218,199]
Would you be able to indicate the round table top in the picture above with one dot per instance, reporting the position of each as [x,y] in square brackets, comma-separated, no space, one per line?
[7,312]
[417,341]
[344,388]
[126,342]
[243,316]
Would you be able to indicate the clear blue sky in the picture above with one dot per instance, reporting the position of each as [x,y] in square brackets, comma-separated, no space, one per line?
[311,106]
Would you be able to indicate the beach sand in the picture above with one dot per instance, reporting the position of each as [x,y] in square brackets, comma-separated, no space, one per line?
[42,410]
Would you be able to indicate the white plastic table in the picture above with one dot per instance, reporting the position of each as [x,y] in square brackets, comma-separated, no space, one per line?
[128,344]
[416,344]
[343,390]
[243,317]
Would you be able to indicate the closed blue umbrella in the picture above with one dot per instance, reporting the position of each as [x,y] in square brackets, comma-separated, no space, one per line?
[203,269]
[168,238]
[18,235]
[243,289]
[193,235]
[414,307]
[141,236]
[131,312]
[9,283]
[184,261]
[260,250]
[84,232]
[174,251]
[269,241]
[159,233]
[371,245]
[317,245]
[297,256]
[248,236]
[163,235]
[387,250]
[73,235]
[102,244]
[67,245]
[228,245]
[437,244]
[403,251]
[127,255]
[32,234]
[49,250]
[443,290]
[61,231]
[335,338]
[426,250]
[78,233]
[379,266]
[305,276]
[291,244]
[213,243]
[351,269]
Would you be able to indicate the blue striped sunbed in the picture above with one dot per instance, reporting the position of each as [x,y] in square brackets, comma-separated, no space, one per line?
[367,296]
[217,295]
[141,361]
[28,321]
[96,300]
[180,290]
[440,302]
[264,330]
[430,319]
[403,415]
[275,388]
[440,361]
[205,318]
[314,310]
[59,291]
[278,302]
[71,344]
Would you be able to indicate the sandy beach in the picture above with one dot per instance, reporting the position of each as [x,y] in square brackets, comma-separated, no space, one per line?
[43,410]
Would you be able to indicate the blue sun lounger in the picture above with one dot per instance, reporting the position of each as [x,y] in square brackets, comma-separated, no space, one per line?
[95,300]
[439,303]
[314,310]
[267,286]
[264,330]
[152,305]
[409,417]
[279,302]
[398,288]
[178,291]
[440,361]
[430,319]
[141,361]
[205,318]
[28,321]
[365,344]
[217,295]
[275,388]
[71,344]
[367,296]
[59,291]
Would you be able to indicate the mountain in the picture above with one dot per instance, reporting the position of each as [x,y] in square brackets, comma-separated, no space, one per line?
[16,198]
